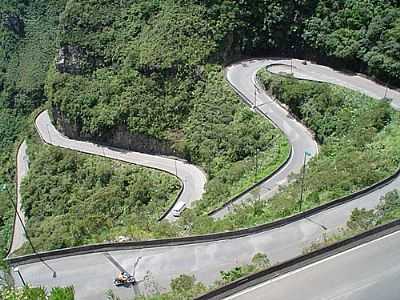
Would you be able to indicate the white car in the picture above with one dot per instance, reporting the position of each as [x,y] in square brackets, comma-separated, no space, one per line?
[178,209]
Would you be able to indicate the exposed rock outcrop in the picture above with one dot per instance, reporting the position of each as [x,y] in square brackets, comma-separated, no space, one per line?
[73,60]
[118,137]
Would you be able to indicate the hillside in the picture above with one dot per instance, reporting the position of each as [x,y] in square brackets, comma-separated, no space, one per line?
[28,41]
[151,71]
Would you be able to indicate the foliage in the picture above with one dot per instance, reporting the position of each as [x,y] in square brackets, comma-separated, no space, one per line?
[72,199]
[362,220]
[359,138]
[24,59]
[154,68]
[28,293]
[185,287]
[168,93]
[361,31]
[235,146]
[259,262]
[151,68]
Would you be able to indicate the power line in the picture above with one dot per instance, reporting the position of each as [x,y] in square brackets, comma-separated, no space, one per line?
[4,187]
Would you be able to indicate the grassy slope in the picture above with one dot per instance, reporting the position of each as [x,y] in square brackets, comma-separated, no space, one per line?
[73,199]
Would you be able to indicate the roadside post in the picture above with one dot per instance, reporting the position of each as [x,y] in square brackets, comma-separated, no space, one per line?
[306,153]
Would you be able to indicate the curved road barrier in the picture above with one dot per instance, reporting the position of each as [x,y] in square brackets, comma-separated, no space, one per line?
[18,236]
[255,286]
[95,248]
[205,256]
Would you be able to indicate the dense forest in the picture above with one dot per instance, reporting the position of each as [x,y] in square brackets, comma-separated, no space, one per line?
[79,199]
[154,69]
[28,43]
[118,60]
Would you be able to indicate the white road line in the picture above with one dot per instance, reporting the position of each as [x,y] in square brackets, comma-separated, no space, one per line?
[235,296]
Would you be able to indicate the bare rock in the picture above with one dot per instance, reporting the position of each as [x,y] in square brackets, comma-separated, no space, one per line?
[73,60]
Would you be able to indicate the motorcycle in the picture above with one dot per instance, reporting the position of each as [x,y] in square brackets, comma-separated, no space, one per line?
[124,279]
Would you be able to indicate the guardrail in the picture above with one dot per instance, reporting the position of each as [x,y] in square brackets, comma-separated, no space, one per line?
[299,262]
[241,194]
[16,199]
[279,168]
[200,238]
[285,106]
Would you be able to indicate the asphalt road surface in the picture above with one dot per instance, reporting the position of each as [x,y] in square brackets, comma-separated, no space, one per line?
[192,177]
[92,274]
[326,74]
[368,272]
[242,77]
[22,170]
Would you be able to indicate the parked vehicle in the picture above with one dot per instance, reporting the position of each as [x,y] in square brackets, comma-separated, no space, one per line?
[178,209]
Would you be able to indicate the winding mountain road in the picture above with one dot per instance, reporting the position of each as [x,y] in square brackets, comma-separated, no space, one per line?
[192,177]
[92,274]
[242,76]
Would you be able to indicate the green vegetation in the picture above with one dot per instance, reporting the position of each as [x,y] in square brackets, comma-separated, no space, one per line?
[27,38]
[28,293]
[186,287]
[73,199]
[234,145]
[358,136]
[148,72]
[153,69]
[259,262]
[362,220]
[363,34]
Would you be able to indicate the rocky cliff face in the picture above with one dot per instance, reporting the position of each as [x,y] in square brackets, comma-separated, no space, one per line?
[73,60]
[118,137]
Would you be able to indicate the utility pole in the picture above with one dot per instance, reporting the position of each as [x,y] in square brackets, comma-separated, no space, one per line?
[135,266]
[386,91]
[255,96]
[48,131]
[302,178]
[291,66]
[256,166]
[4,187]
